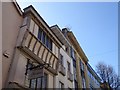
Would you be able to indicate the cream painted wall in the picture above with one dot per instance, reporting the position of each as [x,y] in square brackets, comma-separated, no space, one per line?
[0,46]
[55,49]
[50,81]
[20,70]
[11,22]
[33,27]
[60,77]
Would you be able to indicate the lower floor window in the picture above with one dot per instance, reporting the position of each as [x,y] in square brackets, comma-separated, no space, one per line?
[39,82]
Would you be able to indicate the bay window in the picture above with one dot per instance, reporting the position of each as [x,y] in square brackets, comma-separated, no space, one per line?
[44,38]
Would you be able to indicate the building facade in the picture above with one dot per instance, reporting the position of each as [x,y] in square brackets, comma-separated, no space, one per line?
[65,75]
[94,79]
[12,18]
[79,61]
[38,56]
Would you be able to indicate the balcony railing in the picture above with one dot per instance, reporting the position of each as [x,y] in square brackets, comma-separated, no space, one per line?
[62,69]
[70,76]
[33,47]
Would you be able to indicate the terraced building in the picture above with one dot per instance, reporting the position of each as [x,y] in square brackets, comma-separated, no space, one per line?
[35,55]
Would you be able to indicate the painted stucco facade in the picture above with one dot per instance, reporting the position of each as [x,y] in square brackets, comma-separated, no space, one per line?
[11,22]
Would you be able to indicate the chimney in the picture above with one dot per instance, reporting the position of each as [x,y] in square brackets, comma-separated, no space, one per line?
[64,31]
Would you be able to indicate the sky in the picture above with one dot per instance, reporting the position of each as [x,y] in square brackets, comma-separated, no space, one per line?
[95,25]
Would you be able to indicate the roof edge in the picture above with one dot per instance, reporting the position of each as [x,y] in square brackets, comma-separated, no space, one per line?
[81,50]
[17,7]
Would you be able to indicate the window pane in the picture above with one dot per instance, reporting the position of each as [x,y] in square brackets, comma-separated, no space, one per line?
[45,80]
[72,53]
[74,72]
[50,44]
[68,66]
[74,63]
[43,37]
[33,83]
[76,85]
[39,33]
[47,41]
[39,83]
[61,59]
[81,65]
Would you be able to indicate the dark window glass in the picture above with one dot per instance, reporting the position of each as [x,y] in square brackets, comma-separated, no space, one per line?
[81,65]
[74,63]
[74,72]
[72,53]
[61,59]
[66,49]
[39,33]
[45,80]
[33,83]
[39,81]
[43,38]
[47,41]
[68,66]
[50,44]
[76,85]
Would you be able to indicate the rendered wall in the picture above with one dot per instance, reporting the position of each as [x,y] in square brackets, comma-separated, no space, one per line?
[11,21]
[67,83]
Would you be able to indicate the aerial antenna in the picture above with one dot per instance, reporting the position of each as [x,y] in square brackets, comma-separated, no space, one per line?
[68,27]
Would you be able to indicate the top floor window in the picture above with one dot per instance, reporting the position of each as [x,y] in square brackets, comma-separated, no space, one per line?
[81,65]
[39,33]
[72,53]
[43,37]
[74,63]
[61,59]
